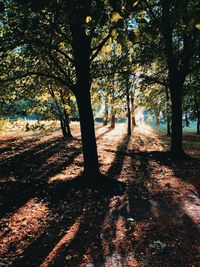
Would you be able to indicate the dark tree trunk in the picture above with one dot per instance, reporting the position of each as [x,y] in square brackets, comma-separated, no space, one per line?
[168,111]
[133,111]
[128,108]
[62,116]
[62,125]
[133,121]
[198,123]
[187,123]
[112,121]
[66,120]
[176,76]
[91,166]
[82,49]
[168,126]
[176,142]
[198,114]
[105,119]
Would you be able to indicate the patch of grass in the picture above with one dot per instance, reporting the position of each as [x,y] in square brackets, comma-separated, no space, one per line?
[22,125]
[4,125]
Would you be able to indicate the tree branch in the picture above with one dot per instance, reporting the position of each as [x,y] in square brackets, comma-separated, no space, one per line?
[98,48]
[153,80]
[36,73]
[57,64]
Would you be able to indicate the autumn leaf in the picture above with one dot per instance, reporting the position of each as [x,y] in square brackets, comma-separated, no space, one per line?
[88,19]
[135,3]
[197,26]
[115,17]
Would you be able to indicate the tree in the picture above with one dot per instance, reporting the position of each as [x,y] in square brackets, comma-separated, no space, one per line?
[68,35]
[191,101]
[171,27]
[179,51]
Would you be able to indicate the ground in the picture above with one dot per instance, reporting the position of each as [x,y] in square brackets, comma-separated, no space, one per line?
[149,217]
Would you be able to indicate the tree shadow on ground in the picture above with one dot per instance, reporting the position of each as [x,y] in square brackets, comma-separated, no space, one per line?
[187,169]
[25,174]
[104,133]
[74,212]
[117,163]
[164,229]
[40,161]
[87,243]
[105,223]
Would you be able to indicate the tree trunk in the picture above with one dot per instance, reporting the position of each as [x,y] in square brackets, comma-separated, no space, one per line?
[168,125]
[176,141]
[168,111]
[198,114]
[91,166]
[133,110]
[62,116]
[62,125]
[128,108]
[66,120]
[133,121]
[112,121]
[105,119]
[187,123]
[198,123]
[82,49]
[157,119]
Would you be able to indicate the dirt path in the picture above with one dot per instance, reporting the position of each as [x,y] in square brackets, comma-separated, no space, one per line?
[46,221]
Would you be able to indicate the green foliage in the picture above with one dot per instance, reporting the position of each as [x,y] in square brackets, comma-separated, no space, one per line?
[158,40]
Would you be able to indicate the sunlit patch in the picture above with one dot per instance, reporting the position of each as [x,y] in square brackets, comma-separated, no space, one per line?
[181,193]
[114,260]
[120,233]
[106,162]
[68,237]
[145,138]
[140,230]
[131,261]
[22,228]
[8,180]
[127,174]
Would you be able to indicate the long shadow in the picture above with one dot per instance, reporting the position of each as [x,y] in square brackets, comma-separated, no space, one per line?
[104,133]
[33,162]
[16,144]
[170,236]
[66,205]
[99,126]
[31,169]
[89,234]
[68,201]
[121,153]
[139,205]
[21,141]
[187,169]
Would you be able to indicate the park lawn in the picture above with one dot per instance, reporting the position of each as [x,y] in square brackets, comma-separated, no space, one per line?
[150,217]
